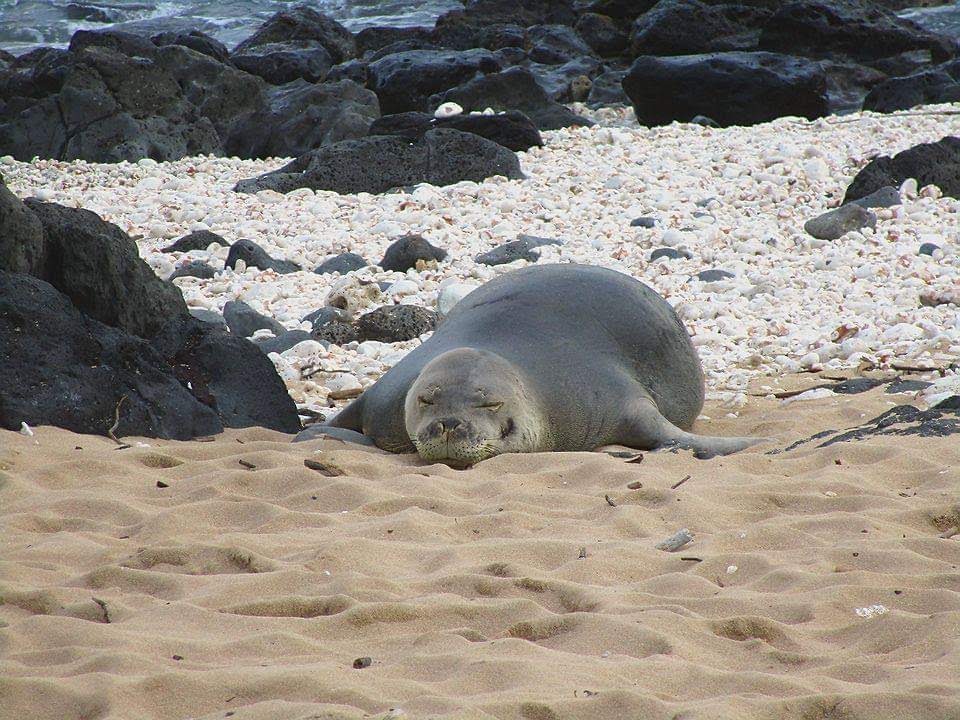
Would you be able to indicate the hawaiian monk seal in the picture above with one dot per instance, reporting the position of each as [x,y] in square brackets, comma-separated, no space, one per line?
[550,357]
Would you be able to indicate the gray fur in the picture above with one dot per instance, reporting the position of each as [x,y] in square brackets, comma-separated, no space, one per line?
[600,358]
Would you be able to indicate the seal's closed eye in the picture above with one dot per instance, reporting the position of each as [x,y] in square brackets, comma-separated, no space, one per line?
[424,401]
[491,406]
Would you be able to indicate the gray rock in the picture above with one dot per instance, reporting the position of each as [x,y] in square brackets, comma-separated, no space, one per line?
[284,62]
[300,116]
[705,121]
[555,44]
[674,254]
[522,248]
[732,88]
[883,198]
[643,222]
[323,315]
[395,323]
[355,70]
[282,342]
[21,235]
[194,268]
[515,88]
[714,275]
[403,253]
[208,316]
[199,240]
[63,368]
[513,130]
[342,263]
[863,31]
[405,81]
[99,105]
[602,34]
[838,222]
[928,87]
[99,268]
[304,24]
[607,89]
[195,40]
[221,93]
[255,256]
[378,163]
[569,82]
[907,386]
[928,248]
[244,321]
[228,374]
[689,27]
[936,163]
[336,332]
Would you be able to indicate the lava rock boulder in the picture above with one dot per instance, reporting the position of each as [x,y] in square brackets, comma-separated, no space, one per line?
[403,253]
[63,368]
[936,163]
[513,130]
[733,88]
[376,164]
[228,374]
[255,256]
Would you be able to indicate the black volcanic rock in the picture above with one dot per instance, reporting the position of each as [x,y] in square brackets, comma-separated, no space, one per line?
[395,323]
[283,62]
[850,29]
[935,163]
[228,374]
[255,256]
[302,116]
[378,163]
[512,89]
[735,88]
[523,248]
[63,368]
[404,252]
[195,40]
[555,44]
[303,24]
[688,27]
[602,34]
[939,84]
[342,263]
[199,240]
[194,268]
[513,130]
[244,321]
[21,235]
[405,81]
[98,267]
[97,104]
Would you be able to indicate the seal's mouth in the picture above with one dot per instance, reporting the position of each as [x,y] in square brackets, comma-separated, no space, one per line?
[455,452]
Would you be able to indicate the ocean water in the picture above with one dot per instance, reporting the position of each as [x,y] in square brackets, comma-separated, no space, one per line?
[26,24]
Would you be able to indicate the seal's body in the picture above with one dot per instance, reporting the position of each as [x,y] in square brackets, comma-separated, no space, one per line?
[550,357]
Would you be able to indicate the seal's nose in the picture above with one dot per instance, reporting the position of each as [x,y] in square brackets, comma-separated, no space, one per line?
[448,424]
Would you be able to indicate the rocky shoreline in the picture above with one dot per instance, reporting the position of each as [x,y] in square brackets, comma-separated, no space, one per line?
[689,144]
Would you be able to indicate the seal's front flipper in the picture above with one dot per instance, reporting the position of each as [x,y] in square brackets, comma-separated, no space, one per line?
[644,428]
[351,417]
[315,432]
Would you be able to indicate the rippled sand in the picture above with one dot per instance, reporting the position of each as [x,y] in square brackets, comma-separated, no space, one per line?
[226,579]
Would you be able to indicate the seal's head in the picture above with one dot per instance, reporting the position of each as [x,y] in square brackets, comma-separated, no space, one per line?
[468,405]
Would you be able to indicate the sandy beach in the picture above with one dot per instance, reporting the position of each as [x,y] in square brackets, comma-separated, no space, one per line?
[244,576]
[221,579]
